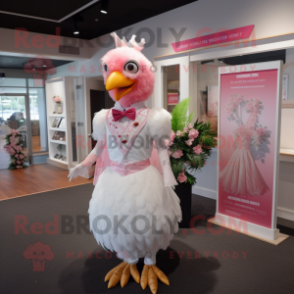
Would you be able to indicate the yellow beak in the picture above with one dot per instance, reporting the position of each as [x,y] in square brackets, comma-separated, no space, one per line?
[120,84]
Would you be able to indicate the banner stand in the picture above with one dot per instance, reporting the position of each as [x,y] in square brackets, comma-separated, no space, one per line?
[279,237]
[248,150]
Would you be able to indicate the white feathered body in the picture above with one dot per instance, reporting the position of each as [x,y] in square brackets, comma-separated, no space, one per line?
[148,211]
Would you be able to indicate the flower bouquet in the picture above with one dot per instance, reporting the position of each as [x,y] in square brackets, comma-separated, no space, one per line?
[190,144]
[13,146]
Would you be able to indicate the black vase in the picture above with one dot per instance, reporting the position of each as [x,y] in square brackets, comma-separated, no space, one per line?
[184,192]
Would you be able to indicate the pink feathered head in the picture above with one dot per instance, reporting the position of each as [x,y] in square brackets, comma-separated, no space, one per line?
[128,74]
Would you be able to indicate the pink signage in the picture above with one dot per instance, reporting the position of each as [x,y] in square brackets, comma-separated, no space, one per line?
[172,98]
[214,39]
[247,136]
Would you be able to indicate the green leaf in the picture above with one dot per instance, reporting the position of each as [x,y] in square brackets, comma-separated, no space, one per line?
[190,179]
[179,115]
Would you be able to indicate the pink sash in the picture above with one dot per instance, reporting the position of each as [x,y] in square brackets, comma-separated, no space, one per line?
[124,170]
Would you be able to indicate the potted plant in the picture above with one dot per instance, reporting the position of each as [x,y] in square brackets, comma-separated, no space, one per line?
[189,148]
[14,146]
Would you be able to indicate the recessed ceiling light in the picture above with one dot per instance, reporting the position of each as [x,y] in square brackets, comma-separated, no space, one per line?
[96,19]
[75,27]
[104,6]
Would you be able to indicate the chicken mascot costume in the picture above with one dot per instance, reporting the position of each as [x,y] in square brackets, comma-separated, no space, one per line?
[133,210]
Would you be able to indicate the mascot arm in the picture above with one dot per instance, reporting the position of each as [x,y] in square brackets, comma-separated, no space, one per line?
[159,122]
[99,134]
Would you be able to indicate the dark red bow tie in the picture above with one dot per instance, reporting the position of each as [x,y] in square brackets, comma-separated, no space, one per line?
[130,113]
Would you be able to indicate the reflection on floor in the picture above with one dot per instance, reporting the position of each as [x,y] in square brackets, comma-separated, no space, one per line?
[35,179]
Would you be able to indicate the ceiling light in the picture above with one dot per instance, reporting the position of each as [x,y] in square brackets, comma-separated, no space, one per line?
[96,19]
[75,28]
[104,6]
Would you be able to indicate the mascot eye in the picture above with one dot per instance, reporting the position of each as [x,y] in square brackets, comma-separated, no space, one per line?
[105,67]
[131,67]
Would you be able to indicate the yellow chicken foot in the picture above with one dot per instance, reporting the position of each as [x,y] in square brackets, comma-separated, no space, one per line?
[149,276]
[122,273]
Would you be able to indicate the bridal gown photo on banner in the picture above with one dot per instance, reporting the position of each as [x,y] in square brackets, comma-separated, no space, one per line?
[241,176]
[248,144]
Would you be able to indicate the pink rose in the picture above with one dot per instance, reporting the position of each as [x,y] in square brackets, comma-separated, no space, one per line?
[182,177]
[189,142]
[19,148]
[190,126]
[185,129]
[16,155]
[21,156]
[12,151]
[179,133]
[193,134]
[18,162]
[177,154]
[170,152]
[197,149]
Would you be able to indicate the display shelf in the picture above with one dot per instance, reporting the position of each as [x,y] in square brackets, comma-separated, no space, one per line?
[287,155]
[63,87]
[59,161]
[56,115]
[58,142]
[57,129]
[289,152]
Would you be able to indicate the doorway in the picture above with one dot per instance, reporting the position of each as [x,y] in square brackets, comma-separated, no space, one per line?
[24,113]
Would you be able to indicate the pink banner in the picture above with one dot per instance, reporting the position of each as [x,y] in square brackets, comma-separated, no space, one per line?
[214,39]
[247,137]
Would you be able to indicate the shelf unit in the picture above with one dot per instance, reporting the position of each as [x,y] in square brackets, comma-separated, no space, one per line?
[62,87]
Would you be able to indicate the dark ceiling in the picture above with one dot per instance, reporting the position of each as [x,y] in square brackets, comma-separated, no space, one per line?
[121,13]
[11,62]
